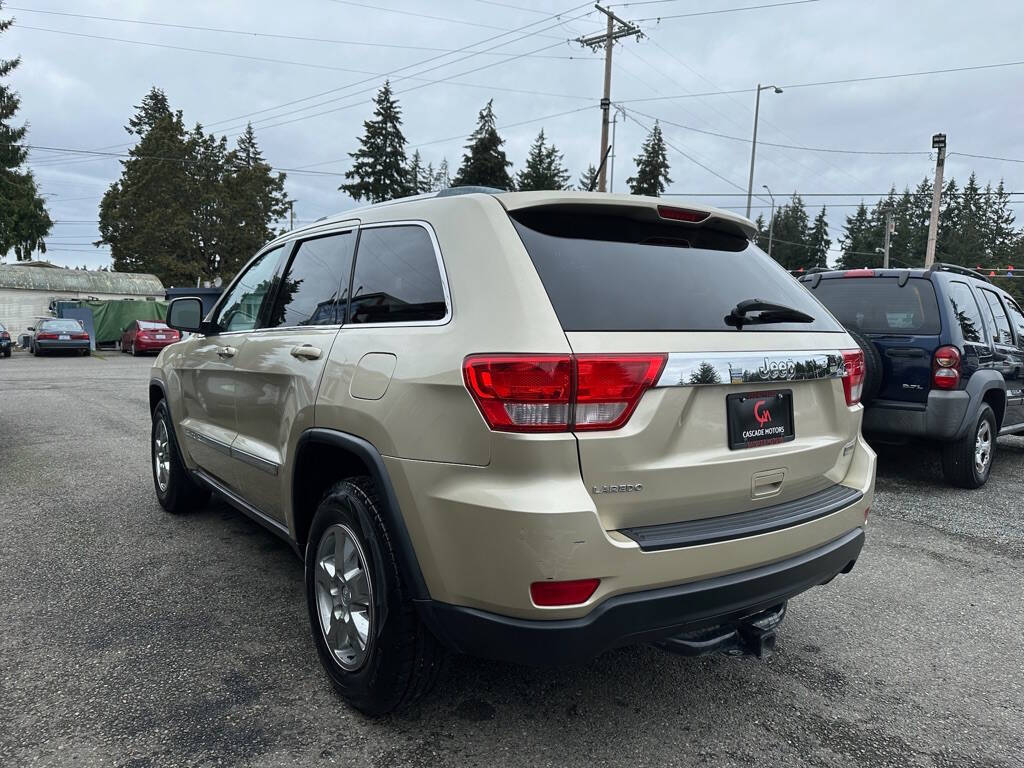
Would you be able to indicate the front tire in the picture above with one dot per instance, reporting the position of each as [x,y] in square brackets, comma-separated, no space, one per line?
[377,653]
[967,462]
[175,489]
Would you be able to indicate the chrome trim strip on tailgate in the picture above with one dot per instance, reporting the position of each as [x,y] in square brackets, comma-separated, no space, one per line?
[689,533]
[694,369]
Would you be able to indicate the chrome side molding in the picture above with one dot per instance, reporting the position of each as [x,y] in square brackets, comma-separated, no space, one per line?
[695,369]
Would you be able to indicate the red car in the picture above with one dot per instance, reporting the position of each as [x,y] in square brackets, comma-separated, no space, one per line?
[147,336]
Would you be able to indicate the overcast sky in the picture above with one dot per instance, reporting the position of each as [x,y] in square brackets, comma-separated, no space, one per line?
[80,78]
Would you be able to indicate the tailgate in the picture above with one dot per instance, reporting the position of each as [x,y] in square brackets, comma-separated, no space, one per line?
[675,460]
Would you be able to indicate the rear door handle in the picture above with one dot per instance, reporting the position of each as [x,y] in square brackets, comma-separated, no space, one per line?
[226,352]
[307,352]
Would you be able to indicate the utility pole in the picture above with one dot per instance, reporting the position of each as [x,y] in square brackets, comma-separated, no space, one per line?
[890,226]
[771,220]
[291,215]
[938,143]
[616,28]
[753,143]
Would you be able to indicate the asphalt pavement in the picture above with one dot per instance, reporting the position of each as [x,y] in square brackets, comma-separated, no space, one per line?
[129,637]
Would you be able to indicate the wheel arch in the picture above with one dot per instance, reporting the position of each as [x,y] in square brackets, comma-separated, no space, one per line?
[985,387]
[157,392]
[325,456]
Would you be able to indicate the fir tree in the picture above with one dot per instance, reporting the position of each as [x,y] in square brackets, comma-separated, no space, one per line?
[24,221]
[1002,237]
[442,177]
[254,201]
[544,168]
[860,238]
[819,241]
[791,245]
[421,177]
[146,215]
[379,171]
[588,179]
[484,163]
[651,166]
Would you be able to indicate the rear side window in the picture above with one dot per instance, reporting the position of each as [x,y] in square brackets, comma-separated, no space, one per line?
[966,311]
[881,304]
[312,286]
[397,278]
[1017,319]
[613,273]
[1003,334]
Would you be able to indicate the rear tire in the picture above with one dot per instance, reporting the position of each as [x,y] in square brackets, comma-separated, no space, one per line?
[175,489]
[7,353]
[401,660]
[135,352]
[967,463]
[872,366]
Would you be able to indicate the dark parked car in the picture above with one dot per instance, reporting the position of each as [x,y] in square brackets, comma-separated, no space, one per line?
[5,341]
[59,335]
[944,355]
[147,336]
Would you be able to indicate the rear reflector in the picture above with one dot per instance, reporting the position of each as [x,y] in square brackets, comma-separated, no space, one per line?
[559,393]
[563,592]
[682,214]
[853,379]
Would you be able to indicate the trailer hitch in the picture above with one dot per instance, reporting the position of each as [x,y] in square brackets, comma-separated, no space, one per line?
[750,636]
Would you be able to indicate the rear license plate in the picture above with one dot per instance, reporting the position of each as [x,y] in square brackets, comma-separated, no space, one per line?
[161,336]
[759,418]
[64,337]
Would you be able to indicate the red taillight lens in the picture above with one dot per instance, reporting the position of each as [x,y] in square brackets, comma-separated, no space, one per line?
[853,379]
[557,393]
[563,592]
[79,335]
[521,393]
[946,368]
[46,336]
[608,388]
[681,214]
[5,335]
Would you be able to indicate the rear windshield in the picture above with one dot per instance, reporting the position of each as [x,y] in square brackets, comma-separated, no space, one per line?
[62,325]
[612,273]
[147,325]
[881,305]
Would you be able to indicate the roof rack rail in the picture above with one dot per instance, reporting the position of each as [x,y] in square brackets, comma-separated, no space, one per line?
[957,269]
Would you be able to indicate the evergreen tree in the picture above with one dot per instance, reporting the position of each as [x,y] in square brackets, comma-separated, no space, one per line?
[24,221]
[1003,239]
[379,171]
[861,236]
[421,177]
[205,170]
[791,245]
[651,166]
[442,178]
[544,168]
[588,179]
[484,163]
[146,216]
[819,241]
[254,201]
[761,238]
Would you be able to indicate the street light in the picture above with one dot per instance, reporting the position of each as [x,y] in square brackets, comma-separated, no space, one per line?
[753,144]
[771,221]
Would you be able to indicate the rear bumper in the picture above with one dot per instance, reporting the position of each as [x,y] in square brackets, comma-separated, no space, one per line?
[153,346]
[941,418]
[72,344]
[637,617]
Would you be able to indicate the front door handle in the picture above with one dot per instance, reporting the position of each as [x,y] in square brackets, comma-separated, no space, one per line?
[307,352]
[226,352]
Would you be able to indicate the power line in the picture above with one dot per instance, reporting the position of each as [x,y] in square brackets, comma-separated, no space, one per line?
[722,10]
[987,157]
[865,79]
[253,33]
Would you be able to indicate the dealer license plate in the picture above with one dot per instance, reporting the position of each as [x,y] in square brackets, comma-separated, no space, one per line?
[759,418]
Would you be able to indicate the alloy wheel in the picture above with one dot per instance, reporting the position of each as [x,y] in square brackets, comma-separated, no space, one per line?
[983,448]
[162,456]
[344,596]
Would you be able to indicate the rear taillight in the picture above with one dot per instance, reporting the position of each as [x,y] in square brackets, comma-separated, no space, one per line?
[859,273]
[563,592]
[80,335]
[559,393]
[45,336]
[5,335]
[946,368]
[682,214]
[853,378]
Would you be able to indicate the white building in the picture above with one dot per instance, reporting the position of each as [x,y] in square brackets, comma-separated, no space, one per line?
[27,288]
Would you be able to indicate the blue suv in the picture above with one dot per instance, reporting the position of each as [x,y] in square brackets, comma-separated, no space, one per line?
[944,353]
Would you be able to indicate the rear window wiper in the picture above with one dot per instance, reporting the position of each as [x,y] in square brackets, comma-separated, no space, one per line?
[766,313]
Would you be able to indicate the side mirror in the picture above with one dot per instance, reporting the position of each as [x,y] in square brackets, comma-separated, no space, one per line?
[31,328]
[185,314]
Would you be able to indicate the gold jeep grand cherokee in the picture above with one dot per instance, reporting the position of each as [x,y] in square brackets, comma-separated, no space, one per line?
[526,426]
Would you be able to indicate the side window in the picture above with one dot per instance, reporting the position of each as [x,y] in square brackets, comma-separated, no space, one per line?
[966,311]
[1017,319]
[315,281]
[397,278]
[240,310]
[1004,334]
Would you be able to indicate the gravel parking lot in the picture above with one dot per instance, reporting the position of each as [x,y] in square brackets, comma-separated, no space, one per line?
[129,637]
